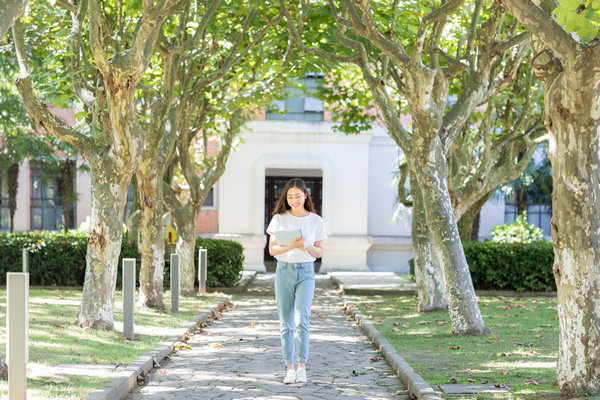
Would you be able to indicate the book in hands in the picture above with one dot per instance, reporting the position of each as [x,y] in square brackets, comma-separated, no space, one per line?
[285,237]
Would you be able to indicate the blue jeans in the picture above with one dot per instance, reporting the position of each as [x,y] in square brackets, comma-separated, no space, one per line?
[294,290]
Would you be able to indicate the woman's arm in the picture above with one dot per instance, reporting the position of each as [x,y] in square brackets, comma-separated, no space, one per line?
[316,250]
[275,249]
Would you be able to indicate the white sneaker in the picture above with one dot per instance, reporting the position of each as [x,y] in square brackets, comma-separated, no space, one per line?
[290,377]
[301,375]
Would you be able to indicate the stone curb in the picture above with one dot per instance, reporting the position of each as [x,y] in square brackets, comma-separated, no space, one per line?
[407,290]
[415,383]
[126,379]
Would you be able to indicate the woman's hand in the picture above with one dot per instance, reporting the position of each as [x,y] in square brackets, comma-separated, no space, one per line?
[297,243]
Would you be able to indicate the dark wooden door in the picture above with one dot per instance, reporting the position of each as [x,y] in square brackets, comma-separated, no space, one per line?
[273,188]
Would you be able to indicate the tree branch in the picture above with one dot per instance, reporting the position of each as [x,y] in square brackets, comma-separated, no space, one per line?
[543,26]
[404,171]
[39,112]
[436,15]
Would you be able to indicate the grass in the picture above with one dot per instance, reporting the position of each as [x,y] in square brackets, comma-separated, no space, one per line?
[55,339]
[520,352]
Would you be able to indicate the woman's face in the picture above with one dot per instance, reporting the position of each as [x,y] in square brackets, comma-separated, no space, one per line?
[296,198]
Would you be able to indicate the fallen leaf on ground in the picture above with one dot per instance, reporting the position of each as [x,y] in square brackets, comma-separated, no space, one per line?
[500,385]
[505,372]
[493,336]
[251,325]
[395,329]
[554,383]
[537,336]
[454,347]
[354,373]
[217,345]
[440,323]
[453,380]
[375,358]
[396,323]
[533,382]
[406,326]
[369,368]
[469,380]
[322,315]
[423,322]
[60,297]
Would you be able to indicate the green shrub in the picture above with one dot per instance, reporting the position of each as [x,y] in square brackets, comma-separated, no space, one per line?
[57,258]
[518,231]
[511,266]
[225,261]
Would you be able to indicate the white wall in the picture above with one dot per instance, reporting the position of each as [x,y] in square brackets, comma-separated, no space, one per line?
[391,247]
[344,162]
[492,214]
[23,199]
[83,185]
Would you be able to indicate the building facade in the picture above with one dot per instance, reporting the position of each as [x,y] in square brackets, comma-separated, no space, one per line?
[350,178]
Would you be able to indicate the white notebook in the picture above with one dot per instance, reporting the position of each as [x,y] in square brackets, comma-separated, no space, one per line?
[285,237]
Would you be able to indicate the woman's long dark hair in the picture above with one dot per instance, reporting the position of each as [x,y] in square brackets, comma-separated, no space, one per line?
[282,204]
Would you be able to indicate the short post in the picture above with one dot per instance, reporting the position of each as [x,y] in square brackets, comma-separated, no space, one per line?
[202,270]
[128,297]
[25,260]
[175,286]
[17,327]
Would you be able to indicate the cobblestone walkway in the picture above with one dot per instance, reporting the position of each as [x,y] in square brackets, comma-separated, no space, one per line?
[239,356]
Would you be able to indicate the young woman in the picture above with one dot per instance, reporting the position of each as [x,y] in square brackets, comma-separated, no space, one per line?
[295,274]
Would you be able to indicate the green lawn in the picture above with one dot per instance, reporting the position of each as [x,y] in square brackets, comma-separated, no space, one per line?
[55,339]
[520,352]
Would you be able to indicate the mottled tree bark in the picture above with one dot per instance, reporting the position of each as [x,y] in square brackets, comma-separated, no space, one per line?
[13,186]
[185,218]
[10,10]
[462,302]
[468,224]
[68,177]
[570,72]
[428,275]
[109,194]
[152,248]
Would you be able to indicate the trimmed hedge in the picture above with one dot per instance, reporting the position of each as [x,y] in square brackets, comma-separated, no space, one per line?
[57,258]
[225,260]
[510,266]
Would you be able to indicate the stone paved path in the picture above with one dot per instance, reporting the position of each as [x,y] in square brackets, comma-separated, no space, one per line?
[233,360]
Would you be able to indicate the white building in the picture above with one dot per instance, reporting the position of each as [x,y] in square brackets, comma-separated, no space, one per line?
[350,177]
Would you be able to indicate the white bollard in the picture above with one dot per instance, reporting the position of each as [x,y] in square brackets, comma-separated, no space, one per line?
[25,260]
[202,261]
[175,286]
[17,327]
[128,297]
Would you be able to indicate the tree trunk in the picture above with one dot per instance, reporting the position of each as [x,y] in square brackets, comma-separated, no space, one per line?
[428,165]
[13,185]
[152,249]
[430,284]
[109,194]
[68,174]
[573,113]
[9,12]
[468,223]
[3,368]
[520,201]
[185,223]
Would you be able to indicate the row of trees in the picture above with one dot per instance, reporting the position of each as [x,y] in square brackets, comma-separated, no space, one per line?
[145,77]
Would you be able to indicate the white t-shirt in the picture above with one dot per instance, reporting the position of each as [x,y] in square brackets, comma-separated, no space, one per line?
[313,230]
